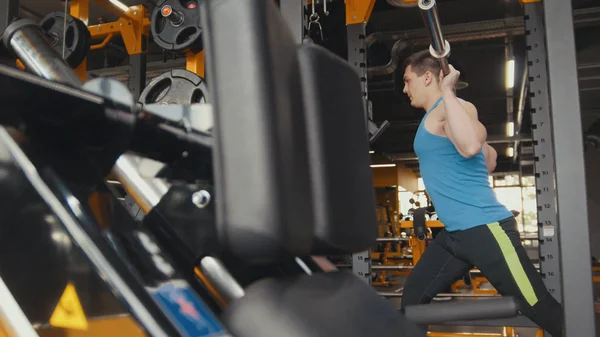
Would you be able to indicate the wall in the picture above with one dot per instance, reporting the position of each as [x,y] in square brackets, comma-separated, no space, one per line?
[395,176]
[384,176]
[407,179]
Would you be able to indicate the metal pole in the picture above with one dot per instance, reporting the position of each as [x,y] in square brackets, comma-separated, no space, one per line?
[543,149]
[219,277]
[439,48]
[510,81]
[293,13]
[12,318]
[573,230]
[521,107]
[391,267]
[147,193]
[391,239]
[357,57]
[26,40]
[460,295]
[9,12]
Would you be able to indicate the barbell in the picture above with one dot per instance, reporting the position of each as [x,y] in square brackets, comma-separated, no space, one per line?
[440,47]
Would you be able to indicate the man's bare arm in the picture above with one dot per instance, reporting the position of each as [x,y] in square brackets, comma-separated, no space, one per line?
[461,125]
[491,156]
[324,264]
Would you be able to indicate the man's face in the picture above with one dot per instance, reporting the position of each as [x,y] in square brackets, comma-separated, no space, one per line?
[414,87]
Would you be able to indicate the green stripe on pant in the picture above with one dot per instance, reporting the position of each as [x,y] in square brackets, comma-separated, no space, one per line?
[514,264]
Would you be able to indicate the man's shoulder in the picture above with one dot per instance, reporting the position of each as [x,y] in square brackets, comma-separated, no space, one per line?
[466,103]
[470,107]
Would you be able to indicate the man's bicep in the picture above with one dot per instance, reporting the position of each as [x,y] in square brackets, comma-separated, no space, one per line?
[491,156]
[470,108]
[490,152]
[472,111]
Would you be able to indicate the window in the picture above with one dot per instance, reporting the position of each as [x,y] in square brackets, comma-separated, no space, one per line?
[530,222]
[511,197]
[507,180]
[405,196]
[513,191]
[404,201]
[521,198]
[528,181]
[420,184]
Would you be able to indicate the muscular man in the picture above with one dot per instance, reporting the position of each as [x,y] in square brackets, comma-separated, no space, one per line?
[455,162]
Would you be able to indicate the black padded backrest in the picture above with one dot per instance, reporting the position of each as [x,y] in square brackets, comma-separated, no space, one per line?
[262,179]
[343,195]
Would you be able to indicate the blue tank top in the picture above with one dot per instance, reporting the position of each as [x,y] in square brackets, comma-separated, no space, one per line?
[458,186]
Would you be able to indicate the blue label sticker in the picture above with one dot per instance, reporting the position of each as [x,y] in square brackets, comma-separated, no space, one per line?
[185,309]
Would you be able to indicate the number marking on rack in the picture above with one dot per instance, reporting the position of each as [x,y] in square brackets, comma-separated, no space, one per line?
[543,147]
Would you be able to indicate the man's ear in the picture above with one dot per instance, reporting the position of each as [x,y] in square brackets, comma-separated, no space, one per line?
[428,78]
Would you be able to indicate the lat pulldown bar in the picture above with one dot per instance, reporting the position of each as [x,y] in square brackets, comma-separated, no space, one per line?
[439,48]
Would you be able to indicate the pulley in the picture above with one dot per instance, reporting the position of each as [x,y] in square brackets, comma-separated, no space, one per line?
[73,35]
[175,25]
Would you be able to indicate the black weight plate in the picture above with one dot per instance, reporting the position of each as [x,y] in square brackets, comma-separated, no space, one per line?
[178,86]
[173,37]
[76,40]
[85,43]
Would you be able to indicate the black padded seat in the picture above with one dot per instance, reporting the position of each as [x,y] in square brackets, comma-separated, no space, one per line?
[320,305]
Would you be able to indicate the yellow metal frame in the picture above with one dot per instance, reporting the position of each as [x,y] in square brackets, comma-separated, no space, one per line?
[81,9]
[195,63]
[428,223]
[99,327]
[133,25]
[506,332]
[358,11]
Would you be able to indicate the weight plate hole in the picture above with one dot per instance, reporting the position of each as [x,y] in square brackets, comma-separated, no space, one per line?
[48,24]
[70,38]
[185,35]
[160,91]
[198,97]
[159,24]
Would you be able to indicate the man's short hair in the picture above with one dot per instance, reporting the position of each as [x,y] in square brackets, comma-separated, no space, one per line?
[421,62]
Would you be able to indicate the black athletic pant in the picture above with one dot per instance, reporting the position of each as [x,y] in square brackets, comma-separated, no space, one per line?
[497,251]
